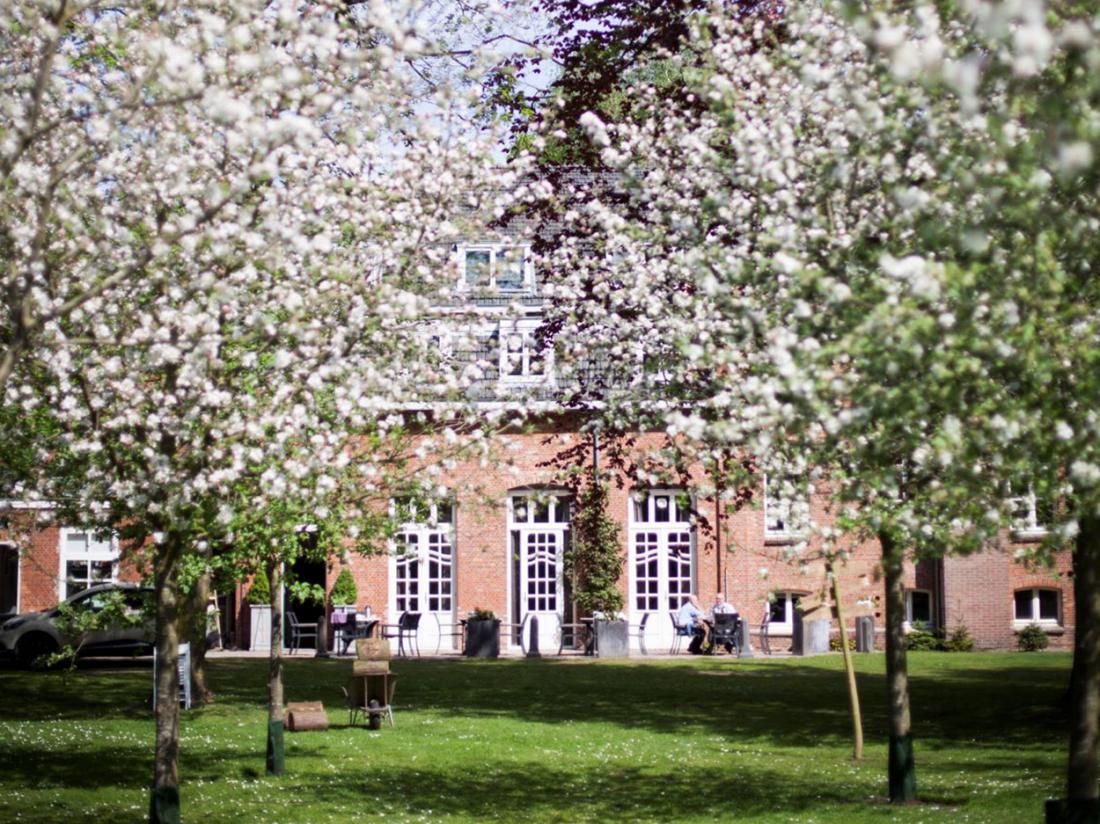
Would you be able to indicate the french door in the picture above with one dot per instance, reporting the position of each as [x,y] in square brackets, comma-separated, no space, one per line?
[422,577]
[662,560]
[539,530]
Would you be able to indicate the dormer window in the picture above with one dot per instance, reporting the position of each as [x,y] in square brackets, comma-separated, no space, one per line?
[496,267]
[521,357]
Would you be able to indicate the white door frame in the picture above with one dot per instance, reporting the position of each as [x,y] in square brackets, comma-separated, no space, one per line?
[433,534]
[540,519]
[660,524]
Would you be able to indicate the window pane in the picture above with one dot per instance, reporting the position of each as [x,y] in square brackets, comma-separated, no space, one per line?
[76,542]
[477,268]
[76,570]
[444,512]
[661,507]
[1022,601]
[542,512]
[921,608]
[1048,604]
[101,570]
[641,508]
[510,268]
[519,508]
[779,610]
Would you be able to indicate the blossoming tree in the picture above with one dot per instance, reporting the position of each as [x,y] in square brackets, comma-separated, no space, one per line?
[865,251]
[211,215]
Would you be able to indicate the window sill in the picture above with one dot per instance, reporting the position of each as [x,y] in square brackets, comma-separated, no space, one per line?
[1050,628]
[783,538]
[1028,536]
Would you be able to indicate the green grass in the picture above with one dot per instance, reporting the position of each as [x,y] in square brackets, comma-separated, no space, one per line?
[568,740]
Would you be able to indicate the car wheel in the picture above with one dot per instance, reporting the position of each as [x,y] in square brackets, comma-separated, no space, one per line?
[34,646]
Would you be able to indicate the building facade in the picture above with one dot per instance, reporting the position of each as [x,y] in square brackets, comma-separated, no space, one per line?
[497,541]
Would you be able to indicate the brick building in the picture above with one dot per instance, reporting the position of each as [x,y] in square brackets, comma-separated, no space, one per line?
[497,543]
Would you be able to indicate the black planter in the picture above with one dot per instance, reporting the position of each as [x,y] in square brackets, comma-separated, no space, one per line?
[483,639]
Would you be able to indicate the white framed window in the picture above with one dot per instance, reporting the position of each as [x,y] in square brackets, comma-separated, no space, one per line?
[1038,605]
[660,506]
[86,559]
[781,612]
[662,547]
[495,267]
[540,508]
[1029,520]
[422,564]
[522,358]
[785,518]
[918,607]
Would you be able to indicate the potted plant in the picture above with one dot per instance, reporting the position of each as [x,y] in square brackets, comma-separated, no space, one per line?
[344,596]
[482,634]
[259,600]
[594,563]
[344,592]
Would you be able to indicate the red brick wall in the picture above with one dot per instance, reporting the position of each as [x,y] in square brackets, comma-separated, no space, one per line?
[1021,576]
[39,569]
[732,554]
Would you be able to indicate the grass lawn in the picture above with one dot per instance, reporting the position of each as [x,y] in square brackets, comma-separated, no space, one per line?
[566,740]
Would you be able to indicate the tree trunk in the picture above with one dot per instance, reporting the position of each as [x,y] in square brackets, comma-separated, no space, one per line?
[849,668]
[1081,776]
[195,624]
[902,770]
[164,804]
[276,756]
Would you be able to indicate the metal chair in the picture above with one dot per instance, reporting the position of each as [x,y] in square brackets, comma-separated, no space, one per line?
[679,632]
[765,646]
[407,627]
[572,635]
[726,631]
[639,633]
[299,632]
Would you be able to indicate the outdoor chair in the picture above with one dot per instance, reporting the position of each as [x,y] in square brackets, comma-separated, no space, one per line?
[726,632]
[571,636]
[300,632]
[679,632]
[639,633]
[765,645]
[407,629]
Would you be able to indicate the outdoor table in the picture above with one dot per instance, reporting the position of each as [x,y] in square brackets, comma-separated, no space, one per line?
[360,626]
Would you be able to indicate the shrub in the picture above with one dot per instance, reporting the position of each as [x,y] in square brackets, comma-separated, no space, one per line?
[259,592]
[1032,638]
[344,590]
[480,614]
[921,639]
[960,639]
[835,646]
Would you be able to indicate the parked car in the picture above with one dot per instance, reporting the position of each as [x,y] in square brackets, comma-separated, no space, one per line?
[28,637]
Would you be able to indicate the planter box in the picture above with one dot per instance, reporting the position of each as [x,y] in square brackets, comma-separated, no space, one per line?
[483,639]
[260,623]
[612,639]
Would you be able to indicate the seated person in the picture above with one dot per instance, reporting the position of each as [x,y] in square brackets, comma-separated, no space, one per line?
[720,607]
[690,617]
